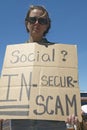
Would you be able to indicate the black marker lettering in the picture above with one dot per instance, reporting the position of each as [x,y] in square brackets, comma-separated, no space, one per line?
[10,76]
[58,106]
[71,103]
[15,57]
[27,86]
[48,104]
[40,97]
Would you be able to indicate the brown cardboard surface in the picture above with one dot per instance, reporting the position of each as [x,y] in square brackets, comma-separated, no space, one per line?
[60,55]
[40,103]
[39,82]
[40,76]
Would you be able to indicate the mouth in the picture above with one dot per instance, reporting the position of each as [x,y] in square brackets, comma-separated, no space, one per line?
[36,29]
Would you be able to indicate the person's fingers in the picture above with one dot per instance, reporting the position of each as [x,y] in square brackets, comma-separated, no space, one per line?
[69,119]
[72,119]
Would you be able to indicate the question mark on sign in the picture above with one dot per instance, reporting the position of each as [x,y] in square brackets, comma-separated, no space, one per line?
[64,54]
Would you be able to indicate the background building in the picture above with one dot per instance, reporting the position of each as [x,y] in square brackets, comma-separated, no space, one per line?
[83,98]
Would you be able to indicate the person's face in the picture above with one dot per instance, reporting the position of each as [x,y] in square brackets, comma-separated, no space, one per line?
[37,29]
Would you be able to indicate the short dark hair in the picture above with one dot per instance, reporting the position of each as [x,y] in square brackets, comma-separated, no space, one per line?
[44,13]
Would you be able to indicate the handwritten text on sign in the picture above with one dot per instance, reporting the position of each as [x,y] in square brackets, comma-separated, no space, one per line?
[53,55]
[39,82]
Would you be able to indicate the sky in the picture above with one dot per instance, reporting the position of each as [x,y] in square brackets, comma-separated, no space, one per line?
[69,26]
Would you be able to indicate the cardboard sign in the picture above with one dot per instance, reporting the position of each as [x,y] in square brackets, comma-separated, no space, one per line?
[39,82]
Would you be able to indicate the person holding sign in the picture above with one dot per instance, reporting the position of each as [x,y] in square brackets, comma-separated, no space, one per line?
[38,23]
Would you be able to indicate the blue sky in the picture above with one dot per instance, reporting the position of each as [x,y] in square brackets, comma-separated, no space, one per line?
[69,26]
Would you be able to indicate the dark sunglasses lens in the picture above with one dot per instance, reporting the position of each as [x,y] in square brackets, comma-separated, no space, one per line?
[32,20]
[42,21]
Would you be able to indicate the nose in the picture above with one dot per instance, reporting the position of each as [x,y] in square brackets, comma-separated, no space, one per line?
[37,22]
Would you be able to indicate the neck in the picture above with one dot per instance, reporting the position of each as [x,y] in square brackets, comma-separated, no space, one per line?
[35,39]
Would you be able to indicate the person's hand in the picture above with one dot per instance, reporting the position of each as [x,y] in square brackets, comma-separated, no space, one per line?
[74,121]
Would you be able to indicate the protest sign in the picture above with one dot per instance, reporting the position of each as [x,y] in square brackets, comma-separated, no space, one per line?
[39,82]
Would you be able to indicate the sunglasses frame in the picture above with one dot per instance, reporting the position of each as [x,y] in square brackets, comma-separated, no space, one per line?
[42,21]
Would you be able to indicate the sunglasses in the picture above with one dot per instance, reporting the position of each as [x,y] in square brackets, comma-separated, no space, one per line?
[32,20]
